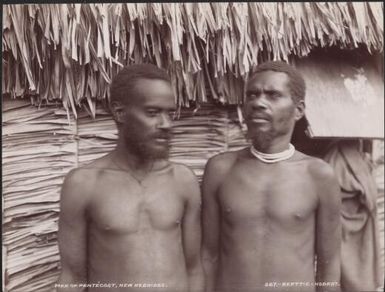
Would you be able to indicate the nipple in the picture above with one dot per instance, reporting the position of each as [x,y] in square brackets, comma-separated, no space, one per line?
[228,210]
[298,215]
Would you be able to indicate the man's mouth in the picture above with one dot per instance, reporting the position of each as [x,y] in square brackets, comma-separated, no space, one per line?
[259,119]
[163,138]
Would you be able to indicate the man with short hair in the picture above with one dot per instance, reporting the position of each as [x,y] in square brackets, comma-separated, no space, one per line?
[131,219]
[268,209]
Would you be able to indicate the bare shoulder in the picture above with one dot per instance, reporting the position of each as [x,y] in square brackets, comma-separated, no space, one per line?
[222,162]
[80,182]
[316,167]
[75,194]
[103,162]
[324,179]
[183,173]
[319,169]
[216,170]
[187,182]
[86,175]
[77,184]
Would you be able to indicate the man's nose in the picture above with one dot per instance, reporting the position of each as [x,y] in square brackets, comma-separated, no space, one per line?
[165,121]
[260,102]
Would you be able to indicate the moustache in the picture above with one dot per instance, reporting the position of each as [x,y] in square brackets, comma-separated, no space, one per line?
[253,116]
[165,135]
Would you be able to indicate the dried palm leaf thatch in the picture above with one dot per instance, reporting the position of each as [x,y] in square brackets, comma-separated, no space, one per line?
[198,135]
[236,130]
[96,137]
[38,150]
[70,52]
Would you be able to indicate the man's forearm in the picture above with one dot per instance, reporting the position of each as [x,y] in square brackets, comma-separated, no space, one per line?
[328,287]
[196,279]
[210,265]
[328,277]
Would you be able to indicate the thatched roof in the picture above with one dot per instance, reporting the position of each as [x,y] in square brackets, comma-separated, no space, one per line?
[70,52]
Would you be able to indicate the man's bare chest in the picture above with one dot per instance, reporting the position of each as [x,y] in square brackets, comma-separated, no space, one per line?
[128,207]
[274,197]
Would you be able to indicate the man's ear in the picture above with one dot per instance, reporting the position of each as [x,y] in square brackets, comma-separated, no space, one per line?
[118,111]
[299,110]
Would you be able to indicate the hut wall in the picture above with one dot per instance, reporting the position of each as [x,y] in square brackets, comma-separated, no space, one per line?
[41,145]
[38,150]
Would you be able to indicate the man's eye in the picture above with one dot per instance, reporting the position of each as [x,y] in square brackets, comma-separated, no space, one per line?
[152,113]
[251,95]
[275,94]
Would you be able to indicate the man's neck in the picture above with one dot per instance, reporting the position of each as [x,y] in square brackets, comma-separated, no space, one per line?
[131,161]
[276,145]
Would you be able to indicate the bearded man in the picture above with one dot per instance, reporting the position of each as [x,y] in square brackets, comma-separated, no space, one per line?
[130,221]
[269,210]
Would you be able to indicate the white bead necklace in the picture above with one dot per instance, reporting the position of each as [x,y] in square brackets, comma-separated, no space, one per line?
[274,157]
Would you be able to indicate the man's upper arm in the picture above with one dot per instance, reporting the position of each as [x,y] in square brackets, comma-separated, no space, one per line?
[328,224]
[73,228]
[191,218]
[210,207]
[191,228]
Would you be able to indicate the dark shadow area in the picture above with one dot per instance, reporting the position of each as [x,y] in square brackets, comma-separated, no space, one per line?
[307,145]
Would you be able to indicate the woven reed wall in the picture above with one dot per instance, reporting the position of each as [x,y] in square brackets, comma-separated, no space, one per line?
[38,150]
[40,147]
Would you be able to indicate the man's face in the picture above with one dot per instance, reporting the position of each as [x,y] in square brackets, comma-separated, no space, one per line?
[269,109]
[147,120]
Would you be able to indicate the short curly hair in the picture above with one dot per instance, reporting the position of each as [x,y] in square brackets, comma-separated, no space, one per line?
[123,84]
[297,83]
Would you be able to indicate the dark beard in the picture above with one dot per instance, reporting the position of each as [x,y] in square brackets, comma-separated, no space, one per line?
[262,139]
[144,152]
[140,146]
[154,155]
